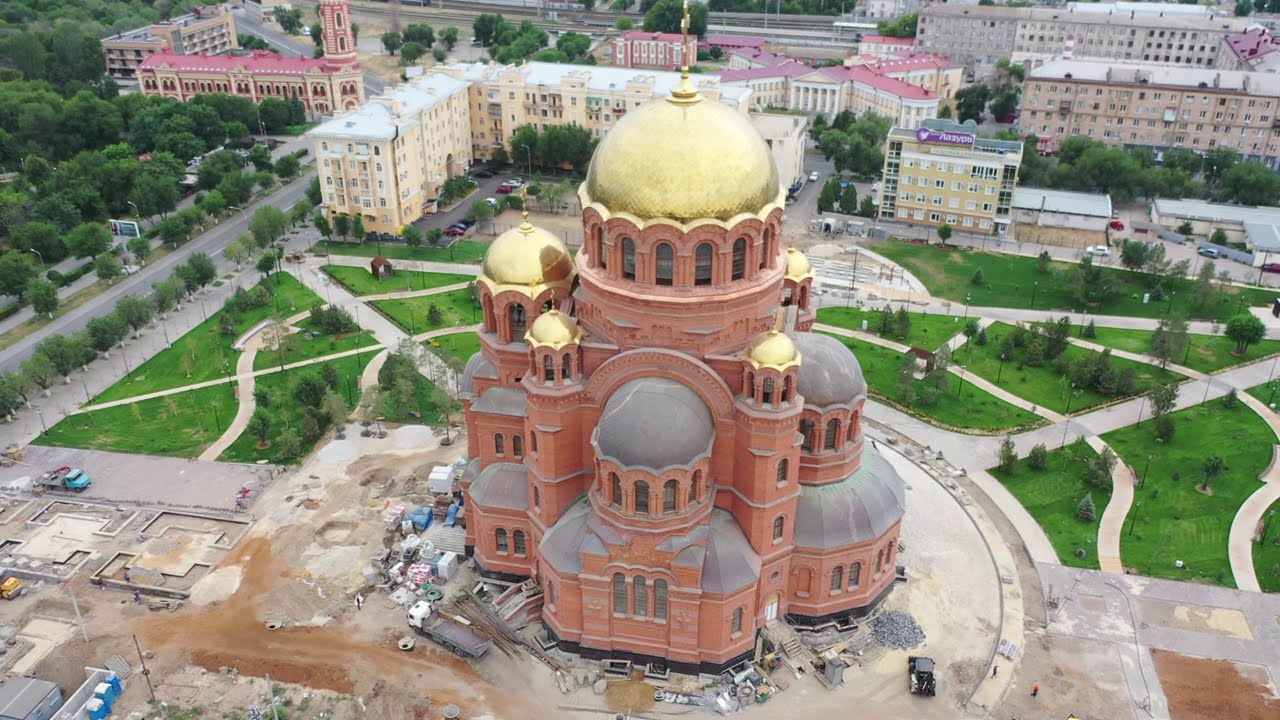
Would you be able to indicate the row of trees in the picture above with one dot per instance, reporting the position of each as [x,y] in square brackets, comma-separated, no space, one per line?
[417,40]
[844,200]
[1046,344]
[852,142]
[556,147]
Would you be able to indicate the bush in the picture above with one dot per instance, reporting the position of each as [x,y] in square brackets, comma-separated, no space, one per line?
[1230,400]
[977,278]
[56,278]
[1038,457]
[1164,428]
[1086,511]
[333,320]
[8,311]
[981,337]
[1090,330]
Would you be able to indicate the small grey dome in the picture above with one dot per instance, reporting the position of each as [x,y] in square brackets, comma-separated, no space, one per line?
[829,373]
[477,366]
[654,423]
[858,509]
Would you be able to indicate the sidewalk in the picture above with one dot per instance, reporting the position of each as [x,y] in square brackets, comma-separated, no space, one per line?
[1112,524]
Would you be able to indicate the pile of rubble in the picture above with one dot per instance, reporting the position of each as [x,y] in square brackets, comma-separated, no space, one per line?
[896,630]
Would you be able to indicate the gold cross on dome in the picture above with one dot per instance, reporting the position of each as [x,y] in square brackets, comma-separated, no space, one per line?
[684,21]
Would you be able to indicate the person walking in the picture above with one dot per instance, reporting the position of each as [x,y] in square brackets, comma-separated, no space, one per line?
[1035,690]
[995,670]
[359,601]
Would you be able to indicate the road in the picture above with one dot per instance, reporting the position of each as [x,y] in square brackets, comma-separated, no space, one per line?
[211,243]
[289,47]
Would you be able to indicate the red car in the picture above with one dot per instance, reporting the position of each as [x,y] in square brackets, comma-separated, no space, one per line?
[454,231]
[505,189]
[1271,267]
[1116,225]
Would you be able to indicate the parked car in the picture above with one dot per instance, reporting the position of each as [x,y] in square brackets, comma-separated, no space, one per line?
[505,189]
[1098,251]
[482,173]
[1116,225]
[464,224]
[1209,252]
[455,231]
[493,202]
[813,176]
[514,182]
[1271,267]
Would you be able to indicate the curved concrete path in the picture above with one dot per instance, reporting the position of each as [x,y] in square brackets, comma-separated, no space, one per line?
[1245,525]
[1112,525]
[246,405]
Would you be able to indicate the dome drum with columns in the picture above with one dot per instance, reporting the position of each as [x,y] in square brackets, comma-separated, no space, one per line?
[654,435]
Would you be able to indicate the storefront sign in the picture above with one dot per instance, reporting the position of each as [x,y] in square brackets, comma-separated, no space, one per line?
[925,135]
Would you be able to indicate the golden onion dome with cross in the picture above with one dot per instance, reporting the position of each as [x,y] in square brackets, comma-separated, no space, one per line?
[798,267]
[553,329]
[528,259]
[773,350]
[684,158]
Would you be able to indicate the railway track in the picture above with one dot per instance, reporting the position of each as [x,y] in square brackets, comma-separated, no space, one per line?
[574,19]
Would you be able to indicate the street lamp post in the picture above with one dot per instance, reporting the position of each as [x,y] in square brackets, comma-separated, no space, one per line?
[1000,371]
[37,252]
[1145,467]
[529,155]
[1169,309]
[961,386]
[1133,519]
[1034,288]
[1070,396]
[43,427]
[967,298]
[217,422]
[1208,384]
[1141,407]
[1271,516]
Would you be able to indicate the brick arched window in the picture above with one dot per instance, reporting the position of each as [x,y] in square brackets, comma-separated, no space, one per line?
[521,547]
[659,599]
[602,257]
[533,441]
[782,471]
[837,578]
[786,389]
[566,367]
[832,435]
[665,264]
[619,594]
[641,599]
[615,490]
[516,313]
[735,622]
[548,368]
[855,575]
[768,389]
[669,496]
[739,258]
[517,446]
[806,433]
[500,538]
[629,258]
[703,264]
[642,497]
[779,526]
[499,444]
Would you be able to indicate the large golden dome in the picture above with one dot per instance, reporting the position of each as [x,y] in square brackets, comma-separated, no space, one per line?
[527,256]
[684,158]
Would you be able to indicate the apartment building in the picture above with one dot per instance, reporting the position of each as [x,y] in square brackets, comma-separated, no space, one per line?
[979,36]
[654,50]
[1253,50]
[943,173]
[786,137]
[388,159]
[884,47]
[205,30]
[1155,106]
[504,97]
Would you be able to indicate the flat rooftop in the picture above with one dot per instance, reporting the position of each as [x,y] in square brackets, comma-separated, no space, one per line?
[1062,201]
[1253,83]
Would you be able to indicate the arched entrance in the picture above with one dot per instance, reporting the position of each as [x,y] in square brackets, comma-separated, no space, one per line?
[771,606]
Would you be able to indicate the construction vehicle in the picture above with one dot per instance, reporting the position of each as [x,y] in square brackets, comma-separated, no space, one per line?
[64,478]
[452,635]
[10,587]
[920,671]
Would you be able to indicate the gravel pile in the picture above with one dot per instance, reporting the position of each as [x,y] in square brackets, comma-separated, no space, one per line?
[896,630]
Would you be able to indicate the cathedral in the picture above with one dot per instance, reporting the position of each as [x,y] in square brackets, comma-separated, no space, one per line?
[654,435]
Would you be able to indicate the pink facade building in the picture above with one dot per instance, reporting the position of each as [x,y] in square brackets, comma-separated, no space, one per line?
[323,85]
[659,51]
[654,435]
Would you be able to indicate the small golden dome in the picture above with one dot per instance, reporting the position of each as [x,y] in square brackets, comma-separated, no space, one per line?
[772,350]
[527,257]
[798,267]
[684,158]
[553,329]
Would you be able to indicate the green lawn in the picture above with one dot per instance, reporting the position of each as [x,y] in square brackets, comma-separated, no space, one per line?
[1175,521]
[927,331]
[181,425]
[975,409]
[463,251]
[460,346]
[205,353]
[1206,353]
[1043,385]
[1266,392]
[1266,557]
[359,281]
[1012,281]
[411,313]
[301,348]
[285,411]
[1051,495]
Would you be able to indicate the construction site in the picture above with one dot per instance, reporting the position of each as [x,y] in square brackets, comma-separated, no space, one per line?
[341,590]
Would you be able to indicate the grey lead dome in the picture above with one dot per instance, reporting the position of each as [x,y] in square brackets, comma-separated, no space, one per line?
[654,423]
[829,373]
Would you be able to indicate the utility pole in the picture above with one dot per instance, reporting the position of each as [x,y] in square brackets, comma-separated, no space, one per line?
[146,673]
[75,605]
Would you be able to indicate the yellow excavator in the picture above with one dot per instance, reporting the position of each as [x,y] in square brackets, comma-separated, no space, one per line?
[10,588]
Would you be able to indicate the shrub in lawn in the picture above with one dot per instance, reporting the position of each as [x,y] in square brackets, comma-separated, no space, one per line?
[1085,510]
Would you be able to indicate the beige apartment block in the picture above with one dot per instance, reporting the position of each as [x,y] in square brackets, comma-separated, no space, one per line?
[504,97]
[205,30]
[979,36]
[388,159]
[785,134]
[943,173]
[1156,106]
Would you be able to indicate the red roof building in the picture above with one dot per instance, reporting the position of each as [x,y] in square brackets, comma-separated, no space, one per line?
[658,51]
[733,42]
[323,85]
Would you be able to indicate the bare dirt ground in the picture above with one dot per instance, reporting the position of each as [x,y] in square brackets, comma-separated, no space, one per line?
[1203,689]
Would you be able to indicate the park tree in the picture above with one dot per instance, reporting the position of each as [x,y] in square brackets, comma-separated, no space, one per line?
[1250,183]
[139,248]
[480,212]
[412,236]
[15,272]
[107,331]
[268,225]
[43,296]
[977,279]
[1085,510]
[168,293]
[668,16]
[1098,471]
[1203,289]
[357,227]
[902,323]
[944,232]
[1090,284]
[849,200]
[42,238]
[1243,8]
[410,52]
[213,203]
[970,101]
[1212,467]
[136,311]
[290,20]
[449,37]
[1038,457]
[1244,330]
[904,26]
[829,195]
[1008,455]
[335,408]
[1170,340]
[260,426]
[88,240]
[287,167]
[391,41]
[266,265]
[204,267]
[624,24]
[66,353]
[40,372]
[342,225]
[1134,254]
[1217,161]
[321,221]
[107,267]
[435,236]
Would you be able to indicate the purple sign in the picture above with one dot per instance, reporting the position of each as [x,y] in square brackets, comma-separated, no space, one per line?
[925,135]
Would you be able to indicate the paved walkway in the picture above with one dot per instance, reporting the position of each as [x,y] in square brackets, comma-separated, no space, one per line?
[1137,357]
[1245,526]
[1112,524]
